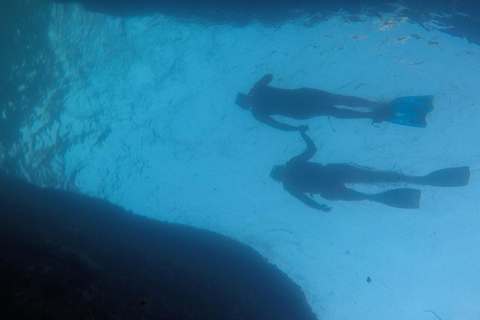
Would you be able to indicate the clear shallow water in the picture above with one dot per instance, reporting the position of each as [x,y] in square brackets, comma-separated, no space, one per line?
[143,115]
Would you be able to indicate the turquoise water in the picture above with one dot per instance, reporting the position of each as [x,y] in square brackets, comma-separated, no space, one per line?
[142,114]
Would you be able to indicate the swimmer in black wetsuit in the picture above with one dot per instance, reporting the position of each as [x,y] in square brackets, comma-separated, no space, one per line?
[301,177]
[265,101]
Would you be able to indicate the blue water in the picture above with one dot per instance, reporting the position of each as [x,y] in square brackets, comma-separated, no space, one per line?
[139,109]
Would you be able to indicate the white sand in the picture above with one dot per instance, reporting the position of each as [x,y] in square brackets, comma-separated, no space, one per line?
[178,149]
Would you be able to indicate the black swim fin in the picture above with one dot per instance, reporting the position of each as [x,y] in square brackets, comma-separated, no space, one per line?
[411,111]
[450,177]
[399,198]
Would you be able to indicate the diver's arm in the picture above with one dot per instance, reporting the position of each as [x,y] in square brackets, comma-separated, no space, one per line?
[265,81]
[311,149]
[308,201]
[261,84]
[274,123]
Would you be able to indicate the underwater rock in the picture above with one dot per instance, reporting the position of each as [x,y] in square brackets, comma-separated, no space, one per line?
[69,256]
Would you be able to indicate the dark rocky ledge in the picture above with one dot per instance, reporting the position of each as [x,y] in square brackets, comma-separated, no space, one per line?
[68,256]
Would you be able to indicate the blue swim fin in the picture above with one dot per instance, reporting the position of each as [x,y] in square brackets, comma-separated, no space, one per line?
[411,111]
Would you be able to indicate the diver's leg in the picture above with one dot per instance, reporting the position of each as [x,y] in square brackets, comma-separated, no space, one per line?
[338,191]
[352,174]
[351,101]
[377,115]
[332,99]
[330,105]
[313,102]
[405,198]
[448,177]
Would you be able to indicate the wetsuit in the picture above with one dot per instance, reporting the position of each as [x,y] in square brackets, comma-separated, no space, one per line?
[304,103]
[301,177]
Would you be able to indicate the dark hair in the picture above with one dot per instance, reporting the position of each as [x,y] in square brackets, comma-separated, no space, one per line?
[242,101]
[276,173]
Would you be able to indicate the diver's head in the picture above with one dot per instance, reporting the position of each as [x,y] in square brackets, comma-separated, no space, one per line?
[242,100]
[277,173]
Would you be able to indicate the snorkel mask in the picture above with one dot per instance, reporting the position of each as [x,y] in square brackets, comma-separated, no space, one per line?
[242,101]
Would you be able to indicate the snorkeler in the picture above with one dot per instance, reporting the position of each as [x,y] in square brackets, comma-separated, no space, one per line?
[301,177]
[265,101]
